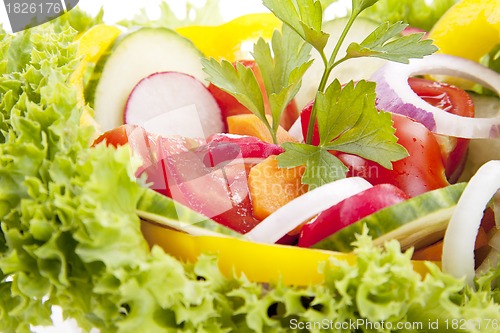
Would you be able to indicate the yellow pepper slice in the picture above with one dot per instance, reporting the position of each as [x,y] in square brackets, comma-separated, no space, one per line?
[226,40]
[93,44]
[259,262]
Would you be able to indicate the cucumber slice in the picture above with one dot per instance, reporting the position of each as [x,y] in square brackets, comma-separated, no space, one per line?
[132,58]
[482,150]
[157,208]
[354,69]
[417,222]
[485,106]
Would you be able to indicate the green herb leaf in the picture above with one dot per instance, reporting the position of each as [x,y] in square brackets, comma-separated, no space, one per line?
[240,82]
[348,121]
[321,166]
[282,74]
[401,49]
[207,14]
[354,125]
[303,16]
[360,5]
[338,110]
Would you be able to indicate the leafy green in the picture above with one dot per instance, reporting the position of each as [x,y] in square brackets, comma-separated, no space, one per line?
[281,65]
[380,44]
[206,14]
[348,121]
[282,73]
[321,166]
[347,118]
[492,59]
[305,17]
[417,13]
[238,80]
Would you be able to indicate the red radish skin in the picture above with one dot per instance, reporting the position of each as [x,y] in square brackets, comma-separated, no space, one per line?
[350,211]
[172,103]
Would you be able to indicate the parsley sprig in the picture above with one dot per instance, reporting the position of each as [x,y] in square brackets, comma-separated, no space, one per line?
[282,65]
[347,118]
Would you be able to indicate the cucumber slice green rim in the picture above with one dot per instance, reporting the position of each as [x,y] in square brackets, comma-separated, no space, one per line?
[162,210]
[417,222]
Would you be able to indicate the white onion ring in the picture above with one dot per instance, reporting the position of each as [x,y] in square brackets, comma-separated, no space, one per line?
[460,236]
[395,95]
[301,209]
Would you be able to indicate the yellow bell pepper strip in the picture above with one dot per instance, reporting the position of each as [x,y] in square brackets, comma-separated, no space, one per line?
[259,262]
[226,40]
[93,44]
[469,29]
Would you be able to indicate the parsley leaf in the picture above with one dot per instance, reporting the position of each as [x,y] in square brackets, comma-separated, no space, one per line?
[348,121]
[282,75]
[370,136]
[239,81]
[281,69]
[380,44]
[360,5]
[321,166]
[303,16]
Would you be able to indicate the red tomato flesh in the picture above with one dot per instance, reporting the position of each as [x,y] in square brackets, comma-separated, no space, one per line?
[453,100]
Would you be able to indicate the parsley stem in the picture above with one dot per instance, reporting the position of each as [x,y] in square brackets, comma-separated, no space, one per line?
[329,66]
[322,85]
[272,131]
[342,37]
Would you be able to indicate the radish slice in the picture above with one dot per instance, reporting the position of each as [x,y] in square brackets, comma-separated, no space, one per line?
[395,95]
[301,209]
[172,103]
[460,236]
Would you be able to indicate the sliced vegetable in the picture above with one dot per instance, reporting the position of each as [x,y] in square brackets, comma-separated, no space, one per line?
[422,171]
[305,207]
[132,58]
[349,211]
[434,251]
[173,103]
[157,208]
[458,247]
[259,262]
[469,29]
[227,41]
[417,222]
[482,150]
[453,100]
[395,95]
[250,124]
[272,187]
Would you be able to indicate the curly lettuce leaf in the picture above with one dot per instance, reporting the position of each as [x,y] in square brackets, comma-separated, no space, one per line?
[417,13]
[207,14]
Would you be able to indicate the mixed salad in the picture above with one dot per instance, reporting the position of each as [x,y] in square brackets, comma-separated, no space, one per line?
[156,175]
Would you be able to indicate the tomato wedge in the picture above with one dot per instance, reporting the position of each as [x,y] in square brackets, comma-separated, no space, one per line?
[455,101]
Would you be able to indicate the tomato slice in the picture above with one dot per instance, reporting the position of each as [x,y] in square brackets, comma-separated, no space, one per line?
[211,179]
[456,101]
[421,171]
